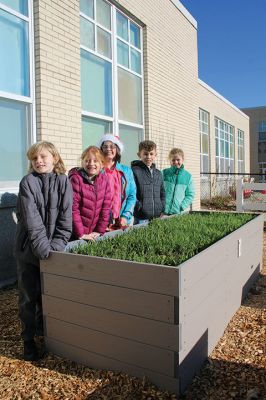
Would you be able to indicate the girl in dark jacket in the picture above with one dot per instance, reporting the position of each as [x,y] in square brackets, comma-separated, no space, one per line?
[91,196]
[44,224]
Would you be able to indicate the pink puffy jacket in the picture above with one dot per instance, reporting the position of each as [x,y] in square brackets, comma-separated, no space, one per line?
[91,202]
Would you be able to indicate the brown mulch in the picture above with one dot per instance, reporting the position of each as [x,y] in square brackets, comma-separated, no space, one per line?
[236,369]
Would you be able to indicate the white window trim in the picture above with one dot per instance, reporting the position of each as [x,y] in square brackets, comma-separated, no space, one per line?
[113,32]
[16,13]
[208,135]
[13,186]
[219,157]
[97,116]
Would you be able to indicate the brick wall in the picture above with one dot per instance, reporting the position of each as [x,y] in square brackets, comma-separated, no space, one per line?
[171,80]
[57,71]
[217,106]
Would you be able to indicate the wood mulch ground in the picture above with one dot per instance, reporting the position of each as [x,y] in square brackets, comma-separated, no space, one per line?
[236,369]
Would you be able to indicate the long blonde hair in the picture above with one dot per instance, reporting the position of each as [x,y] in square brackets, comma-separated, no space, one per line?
[36,148]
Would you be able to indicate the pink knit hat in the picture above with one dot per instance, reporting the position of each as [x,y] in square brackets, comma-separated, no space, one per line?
[112,138]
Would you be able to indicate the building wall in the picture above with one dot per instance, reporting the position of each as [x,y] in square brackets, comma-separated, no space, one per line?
[172,93]
[170,79]
[57,76]
[218,106]
[256,115]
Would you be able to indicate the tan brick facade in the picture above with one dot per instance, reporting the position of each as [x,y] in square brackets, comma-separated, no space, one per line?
[219,107]
[170,78]
[170,81]
[172,93]
[57,76]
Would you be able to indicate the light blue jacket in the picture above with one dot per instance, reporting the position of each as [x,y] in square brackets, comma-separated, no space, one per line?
[128,193]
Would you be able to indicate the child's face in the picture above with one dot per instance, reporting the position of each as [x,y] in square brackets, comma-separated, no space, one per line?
[148,157]
[91,164]
[43,162]
[177,160]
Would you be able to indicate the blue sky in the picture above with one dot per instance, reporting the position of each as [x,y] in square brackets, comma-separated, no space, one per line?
[232,48]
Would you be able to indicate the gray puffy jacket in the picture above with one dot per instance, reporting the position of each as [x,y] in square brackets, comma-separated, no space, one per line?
[150,191]
[44,212]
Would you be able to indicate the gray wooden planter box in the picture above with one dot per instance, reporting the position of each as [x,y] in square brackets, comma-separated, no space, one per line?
[146,319]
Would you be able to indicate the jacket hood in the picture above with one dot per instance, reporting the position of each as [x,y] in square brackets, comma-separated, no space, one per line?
[74,171]
[139,163]
[80,172]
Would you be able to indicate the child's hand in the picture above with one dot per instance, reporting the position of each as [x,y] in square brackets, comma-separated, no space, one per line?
[91,236]
[123,221]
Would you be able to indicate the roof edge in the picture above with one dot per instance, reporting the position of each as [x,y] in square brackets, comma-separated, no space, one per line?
[185,12]
[253,108]
[206,86]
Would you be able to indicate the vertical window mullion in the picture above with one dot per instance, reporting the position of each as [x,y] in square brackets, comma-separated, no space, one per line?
[95,28]
[129,44]
[115,77]
[142,83]
[32,110]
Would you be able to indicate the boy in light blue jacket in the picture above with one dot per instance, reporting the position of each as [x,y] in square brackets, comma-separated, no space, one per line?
[178,184]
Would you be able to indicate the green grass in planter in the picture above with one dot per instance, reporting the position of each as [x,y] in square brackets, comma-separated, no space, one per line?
[169,241]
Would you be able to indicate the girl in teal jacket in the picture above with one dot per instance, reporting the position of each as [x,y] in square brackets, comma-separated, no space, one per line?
[178,184]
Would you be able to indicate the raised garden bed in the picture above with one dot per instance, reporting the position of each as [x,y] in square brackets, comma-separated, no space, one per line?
[147,319]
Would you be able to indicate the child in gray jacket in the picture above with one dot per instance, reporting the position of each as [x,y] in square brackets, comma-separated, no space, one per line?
[44,212]
[150,189]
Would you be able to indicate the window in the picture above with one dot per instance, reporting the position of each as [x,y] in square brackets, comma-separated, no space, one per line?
[224,145]
[240,150]
[111,75]
[16,89]
[262,142]
[204,141]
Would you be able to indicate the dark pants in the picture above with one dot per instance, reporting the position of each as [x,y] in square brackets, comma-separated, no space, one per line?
[30,300]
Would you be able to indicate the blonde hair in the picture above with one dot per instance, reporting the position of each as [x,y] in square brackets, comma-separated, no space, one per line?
[36,148]
[98,154]
[176,151]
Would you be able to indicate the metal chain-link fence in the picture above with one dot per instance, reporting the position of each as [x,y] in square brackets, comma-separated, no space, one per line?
[218,190]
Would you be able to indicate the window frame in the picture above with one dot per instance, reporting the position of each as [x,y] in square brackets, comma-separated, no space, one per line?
[202,154]
[114,119]
[240,144]
[220,136]
[28,101]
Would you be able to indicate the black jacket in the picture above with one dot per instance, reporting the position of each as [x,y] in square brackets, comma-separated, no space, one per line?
[44,212]
[150,191]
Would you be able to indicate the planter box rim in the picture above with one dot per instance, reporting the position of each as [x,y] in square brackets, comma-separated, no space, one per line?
[257,215]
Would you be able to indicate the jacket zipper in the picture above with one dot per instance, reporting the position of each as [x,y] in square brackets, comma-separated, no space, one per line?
[176,180]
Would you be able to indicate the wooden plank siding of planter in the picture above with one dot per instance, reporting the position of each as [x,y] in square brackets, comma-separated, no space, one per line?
[113,314]
[145,319]
[213,285]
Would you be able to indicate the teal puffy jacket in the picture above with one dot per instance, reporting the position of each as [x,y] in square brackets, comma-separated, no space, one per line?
[179,189]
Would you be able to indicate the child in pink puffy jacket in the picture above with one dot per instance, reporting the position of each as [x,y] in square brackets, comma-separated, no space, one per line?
[91,196]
